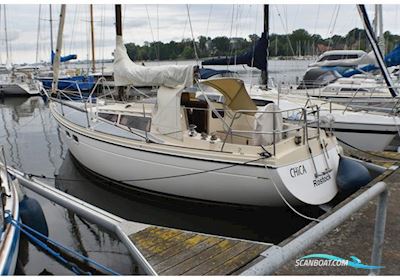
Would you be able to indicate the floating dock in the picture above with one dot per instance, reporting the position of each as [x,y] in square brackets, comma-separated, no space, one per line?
[177,252]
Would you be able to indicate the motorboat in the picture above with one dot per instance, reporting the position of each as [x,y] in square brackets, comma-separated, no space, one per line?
[362,129]
[17,83]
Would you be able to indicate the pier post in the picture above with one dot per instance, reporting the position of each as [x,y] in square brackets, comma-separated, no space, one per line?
[379,232]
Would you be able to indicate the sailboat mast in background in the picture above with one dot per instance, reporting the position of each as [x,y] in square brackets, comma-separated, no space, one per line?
[57,57]
[8,62]
[264,73]
[51,32]
[118,31]
[92,39]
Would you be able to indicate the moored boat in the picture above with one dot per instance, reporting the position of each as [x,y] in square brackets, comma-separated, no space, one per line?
[9,234]
[191,148]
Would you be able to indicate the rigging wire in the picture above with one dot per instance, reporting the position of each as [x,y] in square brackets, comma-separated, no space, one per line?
[253,53]
[230,34]
[37,36]
[1,41]
[158,36]
[88,43]
[151,30]
[334,24]
[316,19]
[73,28]
[191,31]
[209,17]
[184,29]
[102,37]
[286,30]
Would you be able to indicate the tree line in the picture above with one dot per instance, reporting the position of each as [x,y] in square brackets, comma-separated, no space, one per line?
[297,43]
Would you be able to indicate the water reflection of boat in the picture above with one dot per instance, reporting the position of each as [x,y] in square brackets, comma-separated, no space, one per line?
[22,107]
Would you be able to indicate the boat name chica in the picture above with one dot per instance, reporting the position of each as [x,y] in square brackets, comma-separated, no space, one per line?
[297,171]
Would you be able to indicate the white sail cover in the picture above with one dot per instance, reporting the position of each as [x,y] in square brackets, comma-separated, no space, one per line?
[265,122]
[126,72]
[167,117]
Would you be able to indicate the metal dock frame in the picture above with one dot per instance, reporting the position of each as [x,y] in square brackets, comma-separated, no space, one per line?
[108,221]
[277,256]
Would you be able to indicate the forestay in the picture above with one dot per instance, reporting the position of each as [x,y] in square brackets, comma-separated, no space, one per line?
[126,72]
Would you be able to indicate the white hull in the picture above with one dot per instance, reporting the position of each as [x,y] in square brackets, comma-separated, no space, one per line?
[10,242]
[363,130]
[370,137]
[17,89]
[239,184]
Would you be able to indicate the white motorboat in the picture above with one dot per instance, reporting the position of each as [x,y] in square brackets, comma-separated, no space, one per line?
[343,58]
[19,83]
[366,130]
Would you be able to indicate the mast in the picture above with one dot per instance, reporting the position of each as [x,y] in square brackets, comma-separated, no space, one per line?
[92,38]
[381,39]
[38,35]
[378,54]
[51,30]
[264,73]
[5,35]
[118,31]
[56,62]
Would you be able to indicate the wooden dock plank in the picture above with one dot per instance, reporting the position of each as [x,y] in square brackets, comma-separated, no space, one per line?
[185,254]
[161,250]
[238,261]
[150,237]
[200,258]
[186,245]
[219,259]
[177,252]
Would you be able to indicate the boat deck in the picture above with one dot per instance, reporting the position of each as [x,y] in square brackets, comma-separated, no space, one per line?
[178,252]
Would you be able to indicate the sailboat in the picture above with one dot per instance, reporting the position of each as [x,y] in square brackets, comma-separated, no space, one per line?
[16,81]
[69,81]
[364,130]
[9,234]
[193,149]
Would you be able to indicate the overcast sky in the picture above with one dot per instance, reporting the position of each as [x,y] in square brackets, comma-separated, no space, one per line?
[169,22]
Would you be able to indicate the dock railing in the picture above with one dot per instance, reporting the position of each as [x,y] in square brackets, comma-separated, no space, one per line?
[110,222]
[277,256]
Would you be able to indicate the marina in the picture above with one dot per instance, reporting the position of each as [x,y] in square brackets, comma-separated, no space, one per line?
[192,165]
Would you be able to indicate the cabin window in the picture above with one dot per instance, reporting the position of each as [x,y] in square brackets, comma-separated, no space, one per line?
[353,89]
[75,138]
[221,112]
[261,103]
[339,56]
[141,123]
[110,117]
